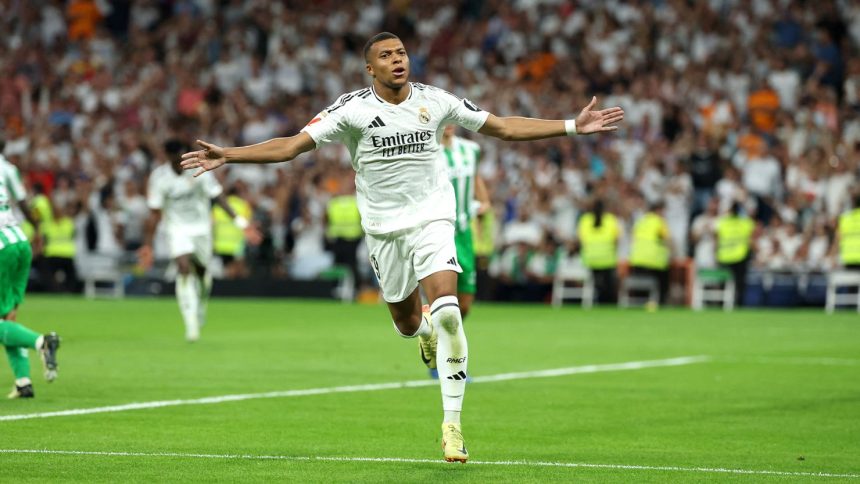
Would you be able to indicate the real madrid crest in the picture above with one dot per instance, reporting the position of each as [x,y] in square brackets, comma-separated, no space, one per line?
[423,115]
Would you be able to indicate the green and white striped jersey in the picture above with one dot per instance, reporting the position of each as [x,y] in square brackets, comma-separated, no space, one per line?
[461,159]
[11,192]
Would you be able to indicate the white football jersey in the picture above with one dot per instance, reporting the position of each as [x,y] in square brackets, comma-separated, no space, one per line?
[185,201]
[11,192]
[395,150]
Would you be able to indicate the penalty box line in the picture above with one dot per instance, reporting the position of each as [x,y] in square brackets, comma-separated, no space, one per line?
[573,370]
[403,460]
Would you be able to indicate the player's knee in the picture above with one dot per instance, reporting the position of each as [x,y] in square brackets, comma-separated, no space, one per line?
[183,266]
[446,314]
[449,319]
[408,326]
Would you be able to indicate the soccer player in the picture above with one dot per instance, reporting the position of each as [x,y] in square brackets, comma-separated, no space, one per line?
[392,130]
[15,258]
[186,202]
[461,157]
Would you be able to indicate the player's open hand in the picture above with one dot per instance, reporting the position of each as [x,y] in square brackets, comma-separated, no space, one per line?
[590,121]
[145,257]
[207,159]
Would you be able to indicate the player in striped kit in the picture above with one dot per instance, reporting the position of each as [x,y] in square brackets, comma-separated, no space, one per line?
[15,258]
[461,157]
[393,131]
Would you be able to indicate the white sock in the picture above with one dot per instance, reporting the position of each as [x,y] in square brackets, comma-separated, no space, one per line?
[188,295]
[451,354]
[451,416]
[205,290]
[20,382]
[423,330]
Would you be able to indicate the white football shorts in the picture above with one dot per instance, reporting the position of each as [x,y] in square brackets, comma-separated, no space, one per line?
[400,259]
[199,246]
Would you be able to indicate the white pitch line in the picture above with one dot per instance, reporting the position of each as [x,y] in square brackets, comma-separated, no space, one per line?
[630,365]
[402,460]
[791,360]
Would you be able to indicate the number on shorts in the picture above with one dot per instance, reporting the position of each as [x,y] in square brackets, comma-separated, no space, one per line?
[375,264]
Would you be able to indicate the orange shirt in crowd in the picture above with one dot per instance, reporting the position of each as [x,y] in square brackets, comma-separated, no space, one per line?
[83,15]
[537,68]
[763,105]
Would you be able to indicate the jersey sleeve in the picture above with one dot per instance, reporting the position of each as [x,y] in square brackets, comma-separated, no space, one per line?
[330,125]
[464,112]
[154,194]
[211,185]
[16,186]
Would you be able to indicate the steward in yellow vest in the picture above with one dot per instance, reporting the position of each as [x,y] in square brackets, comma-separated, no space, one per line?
[343,229]
[734,241]
[598,234]
[230,239]
[649,254]
[848,236]
[58,232]
[344,221]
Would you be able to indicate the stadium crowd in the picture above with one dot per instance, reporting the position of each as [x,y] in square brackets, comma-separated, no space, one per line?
[725,100]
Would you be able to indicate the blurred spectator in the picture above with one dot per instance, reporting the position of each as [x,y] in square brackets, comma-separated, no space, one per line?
[343,227]
[703,236]
[650,252]
[58,264]
[598,234]
[228,239]
[759,102]
[734,246]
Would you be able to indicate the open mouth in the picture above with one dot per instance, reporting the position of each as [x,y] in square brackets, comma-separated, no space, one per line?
[399,71]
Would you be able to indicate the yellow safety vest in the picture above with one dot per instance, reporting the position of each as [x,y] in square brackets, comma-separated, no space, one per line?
[484,240]
[599,244]
[733,238]
[229,239]
[41,208]
[59,237]
[649,247]
[344,221]
[849,237]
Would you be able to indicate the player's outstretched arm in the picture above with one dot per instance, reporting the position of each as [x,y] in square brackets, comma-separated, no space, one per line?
[272,151]
[524,129]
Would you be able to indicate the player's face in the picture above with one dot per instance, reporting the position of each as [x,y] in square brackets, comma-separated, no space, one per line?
[388,63]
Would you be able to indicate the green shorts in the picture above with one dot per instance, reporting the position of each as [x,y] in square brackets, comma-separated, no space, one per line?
[467,280]
[14,273]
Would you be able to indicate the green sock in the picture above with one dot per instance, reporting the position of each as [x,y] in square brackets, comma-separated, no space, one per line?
[19,360]
[13,334]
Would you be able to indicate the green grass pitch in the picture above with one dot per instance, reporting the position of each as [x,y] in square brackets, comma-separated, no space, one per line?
[779,391]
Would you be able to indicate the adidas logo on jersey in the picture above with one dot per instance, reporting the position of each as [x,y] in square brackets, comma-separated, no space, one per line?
[452,261]
[377,123]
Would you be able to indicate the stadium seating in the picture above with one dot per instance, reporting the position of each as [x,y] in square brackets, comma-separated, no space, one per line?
[842,280]
[573,281]
[633,286]
[713,286]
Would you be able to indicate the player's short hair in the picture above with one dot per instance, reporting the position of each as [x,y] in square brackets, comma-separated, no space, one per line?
[174,146]
[377,38]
